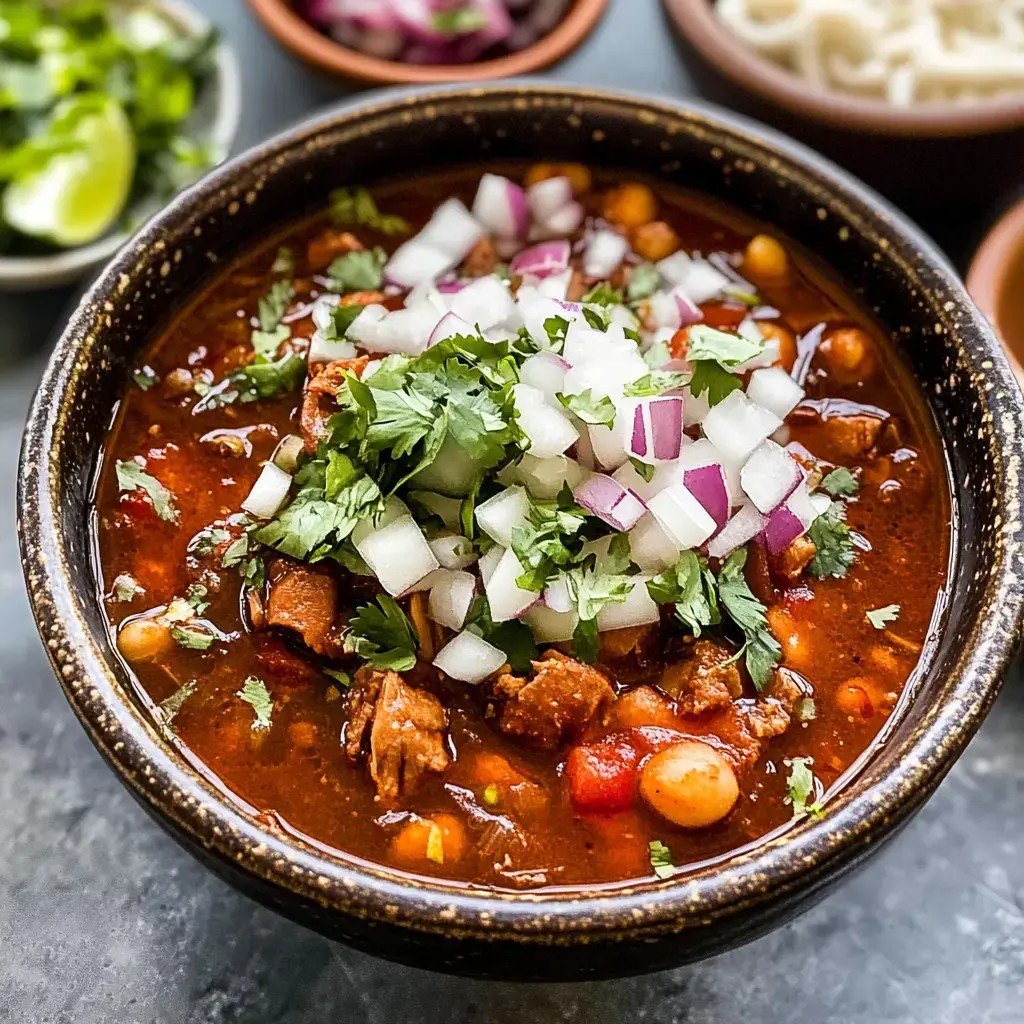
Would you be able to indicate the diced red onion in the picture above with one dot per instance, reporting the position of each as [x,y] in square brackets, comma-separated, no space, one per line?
[500,205]
[469,658]
[486,302]
[449,326]
[782,527]
[547,197]
[775,390]
[603,253]
[452,287]
[682,516]
[321,350]
[536,309]
[742,528]
[583,451]
[769,476]
[673,310]
[656,432]
[612,503]
[544,371]
[708,485]
[269,492]
[542,260]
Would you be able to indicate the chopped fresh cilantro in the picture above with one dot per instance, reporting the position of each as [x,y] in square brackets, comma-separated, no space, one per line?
[514,637]
[690,586]
[661,859]
[170,707]
[356,206]
[265,380]
[802,787]
[194,637]
[881,617]
[724,347]
[603,294]
[590,408]
[255,574]
[741,294]
[206,540]
[644,469]
[840,483]
[834,552]
[550,538]
[714,379]
[126,588]
[555,328]
[597,318]
[618,559]
[131,476]
[255,693]
[467,510]
[805,709]
[586,642]
[658,355]
[459,21]
[591,591]
[643,282]
[656,383]
[145,377]
[235,551]
[274,305]
[266,343]
[383,636]
[196,596]
[284,261]
[761,650]
[341,678]
[359,271]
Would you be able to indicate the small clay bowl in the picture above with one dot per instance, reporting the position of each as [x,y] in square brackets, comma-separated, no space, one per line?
[975,151]
[322,52]
[601,931]
[996,277]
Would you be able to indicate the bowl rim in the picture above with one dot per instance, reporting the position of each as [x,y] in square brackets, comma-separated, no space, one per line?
[798,863]
[34,272]
[989,271]
[707,33]
[319,50]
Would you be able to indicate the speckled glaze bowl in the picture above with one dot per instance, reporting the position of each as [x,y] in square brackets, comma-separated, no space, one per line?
[653,924]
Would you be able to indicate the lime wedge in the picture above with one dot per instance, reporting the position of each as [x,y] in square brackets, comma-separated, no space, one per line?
[77,196]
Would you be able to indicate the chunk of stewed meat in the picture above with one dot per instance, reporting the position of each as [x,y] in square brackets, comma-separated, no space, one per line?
[558,703]
[482,259]
[303,598]
[766,717]
[407,731]
[330,244]
[792,561]
[708,678]
[317,409]
[330,378]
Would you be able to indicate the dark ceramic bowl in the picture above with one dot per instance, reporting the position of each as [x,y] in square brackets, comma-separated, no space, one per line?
[570,934]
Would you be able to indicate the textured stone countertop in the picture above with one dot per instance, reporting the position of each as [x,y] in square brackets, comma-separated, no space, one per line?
[104,918]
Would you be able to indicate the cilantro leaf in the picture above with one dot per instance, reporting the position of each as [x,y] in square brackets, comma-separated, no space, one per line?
[881,617]
[690,586]
[590,591]
[255,693]
[644,470]
[356,206]
[656,383]
[661,859]
[126,588]
[265,380]
[590,408]
[555,327]
[840,483]
[131,476]
[603,294]
[459,21]
[195,595]
[717,381]
[145,377]
[547,540]
[728,349]
[597,318]
[170,707]
[383,636]
[658,355]
[802,786]
[266,343]
[762,650]
[361,270]
[643,282]
[514,637]
[195,637]
[274,305]
[284,261]
[586,642]
[831,536]
[207,539]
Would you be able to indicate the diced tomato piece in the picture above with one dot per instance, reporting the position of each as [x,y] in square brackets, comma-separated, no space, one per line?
[717,314]
[602,776]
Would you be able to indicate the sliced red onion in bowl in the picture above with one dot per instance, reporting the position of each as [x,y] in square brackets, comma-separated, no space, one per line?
[612,503]
[603,253]
[742,528]
[500,205]
[542,260]
[769,476]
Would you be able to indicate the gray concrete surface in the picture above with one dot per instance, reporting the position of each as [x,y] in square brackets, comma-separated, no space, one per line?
[104,919]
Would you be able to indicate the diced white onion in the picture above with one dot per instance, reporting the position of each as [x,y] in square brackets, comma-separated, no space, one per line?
[638,609]
[499,516]
[736,426]
[743,527]
[544,478]
[773,389]
[769,476]
[486,303]
[268,493]
[603,252]
[550,431]
[651,547]
[546,372]
[489,562]
[549,626]
[682,516]
[451,598]
[556,594]
[453,471]
[469,658]
[398,555]
[453,552]
[506,599]
[500,205]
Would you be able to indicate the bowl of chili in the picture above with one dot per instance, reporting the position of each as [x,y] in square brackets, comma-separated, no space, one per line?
[692,747]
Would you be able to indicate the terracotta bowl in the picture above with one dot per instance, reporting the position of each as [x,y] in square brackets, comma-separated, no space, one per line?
[650,924]
[922,156]
[322,52]
[996,274]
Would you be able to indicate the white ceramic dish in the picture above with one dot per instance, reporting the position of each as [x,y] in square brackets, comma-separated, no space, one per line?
[214,121]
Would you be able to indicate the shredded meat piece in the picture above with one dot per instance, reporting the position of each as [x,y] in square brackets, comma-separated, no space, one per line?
[330,377]
[788,687]
[482,259]
[317,409]
[766,717]
[561,700]
[330,244]
[620,643]
[303,598]
[406,728]
[855,436]
[791,562]
[702,681]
